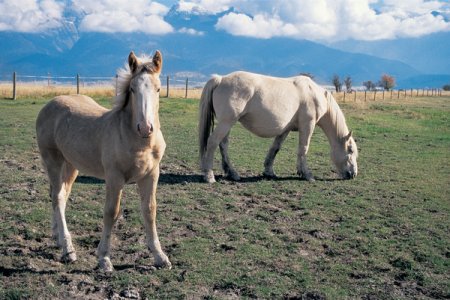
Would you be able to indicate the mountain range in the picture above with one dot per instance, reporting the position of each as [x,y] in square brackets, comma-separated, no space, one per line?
[67,51]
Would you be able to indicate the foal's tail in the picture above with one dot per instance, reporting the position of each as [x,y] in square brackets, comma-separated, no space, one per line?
[206,118]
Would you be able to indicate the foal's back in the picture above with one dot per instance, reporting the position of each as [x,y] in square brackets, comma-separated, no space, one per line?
[71,127]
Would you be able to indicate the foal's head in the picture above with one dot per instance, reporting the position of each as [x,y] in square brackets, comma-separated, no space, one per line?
[144,88]
[344,157]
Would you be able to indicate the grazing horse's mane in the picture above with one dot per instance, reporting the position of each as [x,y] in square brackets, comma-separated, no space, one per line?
[336,116]
[124,76]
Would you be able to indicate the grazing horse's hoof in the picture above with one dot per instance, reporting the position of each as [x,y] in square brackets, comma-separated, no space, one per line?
[209,177]
[105,265]
[69,257]
[306,176]
[269,175]
[163,263]
[233,176]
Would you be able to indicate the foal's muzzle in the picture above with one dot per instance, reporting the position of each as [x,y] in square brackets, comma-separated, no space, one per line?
[145,130]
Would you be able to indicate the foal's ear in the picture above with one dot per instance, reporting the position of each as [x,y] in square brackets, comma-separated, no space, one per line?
[133,62]
[157,61]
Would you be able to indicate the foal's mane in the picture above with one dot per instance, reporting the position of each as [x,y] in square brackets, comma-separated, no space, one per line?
[124,76]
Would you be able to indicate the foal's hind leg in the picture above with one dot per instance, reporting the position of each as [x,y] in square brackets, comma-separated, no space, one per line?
[61,176]
[68,175]
[227,167]
[268,163]
[214,140]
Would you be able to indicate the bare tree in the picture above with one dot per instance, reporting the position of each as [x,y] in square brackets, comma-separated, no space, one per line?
[348,83]
[387,82]
[337,83]
[369,85]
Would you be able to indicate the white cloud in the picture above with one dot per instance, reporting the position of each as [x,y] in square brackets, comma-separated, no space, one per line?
[30,15]
[331,19]
[259,26]
[190,31]
[123,16]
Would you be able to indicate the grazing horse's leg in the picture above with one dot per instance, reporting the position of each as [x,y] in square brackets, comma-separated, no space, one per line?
[305,132]
[227,167]
[61,176]
[147,189]
[221,131]
[276,145]
[114,187]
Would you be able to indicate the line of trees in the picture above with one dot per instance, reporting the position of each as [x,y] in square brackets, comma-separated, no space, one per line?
[387,82]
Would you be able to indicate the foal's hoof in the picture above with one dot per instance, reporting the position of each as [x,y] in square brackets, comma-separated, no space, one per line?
[69,257]
[105,265]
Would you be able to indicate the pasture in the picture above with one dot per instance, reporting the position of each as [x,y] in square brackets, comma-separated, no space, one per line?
[383,235]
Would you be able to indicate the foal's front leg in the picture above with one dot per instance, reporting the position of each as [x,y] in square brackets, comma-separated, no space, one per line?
[110,215]
[147,189]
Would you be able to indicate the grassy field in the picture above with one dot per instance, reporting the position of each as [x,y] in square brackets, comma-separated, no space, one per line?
[384,235]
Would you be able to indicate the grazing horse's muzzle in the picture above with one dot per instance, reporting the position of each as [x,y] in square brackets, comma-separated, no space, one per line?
[349,175]
[145,130]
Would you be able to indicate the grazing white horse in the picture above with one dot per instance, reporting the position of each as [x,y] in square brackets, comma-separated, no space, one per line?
[272,107]
[121,145]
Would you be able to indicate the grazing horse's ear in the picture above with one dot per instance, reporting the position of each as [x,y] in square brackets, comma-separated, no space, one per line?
[157,61]
[132,62]
[348,136]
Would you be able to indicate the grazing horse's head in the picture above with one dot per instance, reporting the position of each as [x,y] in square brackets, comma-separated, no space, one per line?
[344,157]
[144,88]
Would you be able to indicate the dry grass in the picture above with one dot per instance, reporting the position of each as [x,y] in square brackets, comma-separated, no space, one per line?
[26,90]
[39,90]
[386,96]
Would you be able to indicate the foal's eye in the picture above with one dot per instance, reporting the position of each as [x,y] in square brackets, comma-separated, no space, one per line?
[158,90]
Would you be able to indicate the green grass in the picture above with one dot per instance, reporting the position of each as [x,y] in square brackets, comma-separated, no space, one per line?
[383,235]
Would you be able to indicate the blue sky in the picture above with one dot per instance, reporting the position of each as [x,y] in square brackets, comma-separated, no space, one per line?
[317,20]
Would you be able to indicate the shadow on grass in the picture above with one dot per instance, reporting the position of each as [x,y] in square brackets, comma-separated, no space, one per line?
[170,178]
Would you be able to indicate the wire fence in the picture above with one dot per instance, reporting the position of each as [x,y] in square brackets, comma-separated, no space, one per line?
[173,85]
[24,85]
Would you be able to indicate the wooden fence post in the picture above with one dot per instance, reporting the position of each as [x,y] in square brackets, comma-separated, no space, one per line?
[167,85]
[14,85]
[365,95]
[355,97]
[383,94]
[117,82]
[185,94]
[398,96]
[78,84]
[374,95]
[344,96]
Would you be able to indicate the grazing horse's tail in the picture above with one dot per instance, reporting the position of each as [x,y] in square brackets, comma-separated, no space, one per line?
[206,118]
